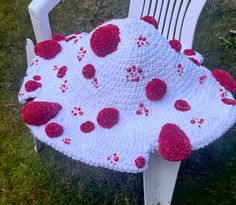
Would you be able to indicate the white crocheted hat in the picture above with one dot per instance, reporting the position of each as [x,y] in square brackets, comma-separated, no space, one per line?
[110,97]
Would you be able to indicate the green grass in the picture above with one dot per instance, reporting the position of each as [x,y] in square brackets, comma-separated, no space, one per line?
[207,177]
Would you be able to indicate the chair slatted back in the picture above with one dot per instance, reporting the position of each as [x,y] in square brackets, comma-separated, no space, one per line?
[177,18]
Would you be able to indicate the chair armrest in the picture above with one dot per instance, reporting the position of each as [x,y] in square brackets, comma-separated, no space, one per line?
[39,10]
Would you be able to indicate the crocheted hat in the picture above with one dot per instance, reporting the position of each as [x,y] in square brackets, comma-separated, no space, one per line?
[110,97]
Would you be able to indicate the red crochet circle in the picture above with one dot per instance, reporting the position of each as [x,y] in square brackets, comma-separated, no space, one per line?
[140,162]
[150,20]
[105,40]
[47,49]
[174,145]
[88,71]
[37,77]
[182,105]
[77,33]
[225,79]
[62,72]
[108,117]
[195,61]
[87,127]
[228,101]
[54,130]
[189,52]
[32,85]
[176,45]
[39,113]
[156,89]
[58,37]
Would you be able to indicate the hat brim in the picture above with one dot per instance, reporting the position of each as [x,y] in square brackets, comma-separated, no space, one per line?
[134,136]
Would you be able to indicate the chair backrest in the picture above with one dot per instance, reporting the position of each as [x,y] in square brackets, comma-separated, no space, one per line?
[177,18]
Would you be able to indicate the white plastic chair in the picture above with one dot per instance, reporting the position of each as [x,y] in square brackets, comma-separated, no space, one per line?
[177,19]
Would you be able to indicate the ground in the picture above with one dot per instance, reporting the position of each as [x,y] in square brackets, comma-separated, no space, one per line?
[26,177]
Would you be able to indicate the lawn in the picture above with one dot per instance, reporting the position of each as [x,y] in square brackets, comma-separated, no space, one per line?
[208,177]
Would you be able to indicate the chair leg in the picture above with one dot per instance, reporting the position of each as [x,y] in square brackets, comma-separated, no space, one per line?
[30,55]
[38,145]
[29,51]
[159,180]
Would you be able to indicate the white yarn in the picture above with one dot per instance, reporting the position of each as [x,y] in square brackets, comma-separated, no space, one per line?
[134,135]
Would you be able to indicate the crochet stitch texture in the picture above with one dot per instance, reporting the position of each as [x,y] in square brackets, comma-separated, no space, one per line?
[110,97]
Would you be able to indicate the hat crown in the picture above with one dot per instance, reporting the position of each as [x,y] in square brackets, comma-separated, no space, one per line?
[142,55]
